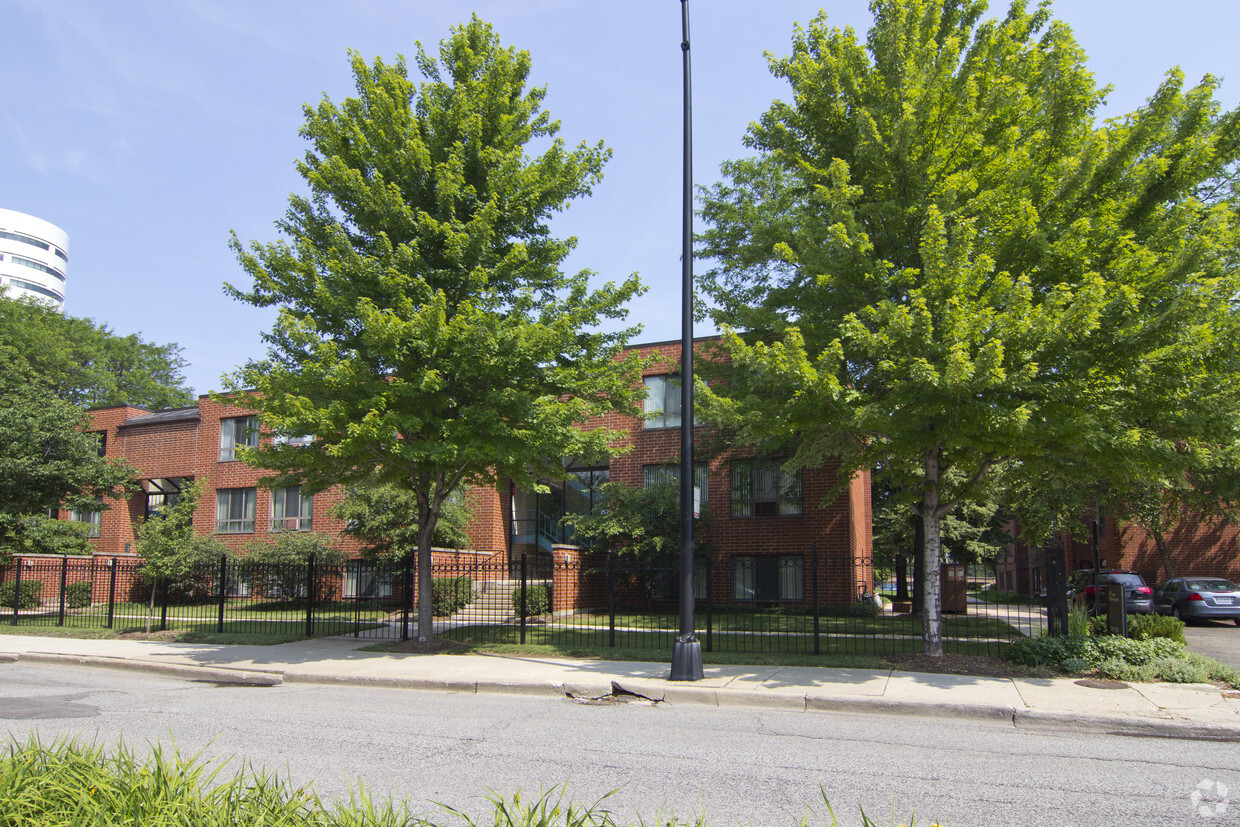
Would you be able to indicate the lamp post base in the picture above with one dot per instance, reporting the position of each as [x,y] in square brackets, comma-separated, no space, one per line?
[687,658]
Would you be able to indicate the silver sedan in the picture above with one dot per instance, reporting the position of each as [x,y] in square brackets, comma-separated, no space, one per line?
[1199,598]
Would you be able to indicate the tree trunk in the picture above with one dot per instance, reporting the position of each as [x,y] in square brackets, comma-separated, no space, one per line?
[901,577]
[931,610]
[1161,543]
[426,617]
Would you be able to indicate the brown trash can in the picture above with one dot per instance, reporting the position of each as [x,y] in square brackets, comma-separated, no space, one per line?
[954,588]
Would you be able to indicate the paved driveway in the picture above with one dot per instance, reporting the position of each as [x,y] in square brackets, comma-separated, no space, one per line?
[1216,638]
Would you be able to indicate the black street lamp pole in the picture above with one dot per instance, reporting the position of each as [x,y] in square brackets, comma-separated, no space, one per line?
[687,651]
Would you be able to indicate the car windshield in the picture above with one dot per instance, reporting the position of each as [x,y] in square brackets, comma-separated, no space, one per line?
[1122,579]
[1212,586]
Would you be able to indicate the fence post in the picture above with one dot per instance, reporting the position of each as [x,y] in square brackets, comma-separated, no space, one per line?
[64,582]
[111,592]
[163,605]
[406,600]
[357,592]
[310,595]
[523,596]
[813,550]
[710,590]
[219,626]
[17,589]
[611,598]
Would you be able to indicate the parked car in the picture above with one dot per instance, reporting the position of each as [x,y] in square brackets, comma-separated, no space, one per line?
[1205,598]
[1088,589]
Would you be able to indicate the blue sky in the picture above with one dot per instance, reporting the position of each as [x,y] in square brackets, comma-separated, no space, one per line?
[148,129]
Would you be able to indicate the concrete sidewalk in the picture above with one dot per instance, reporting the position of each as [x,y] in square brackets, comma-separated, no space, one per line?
[1176,710]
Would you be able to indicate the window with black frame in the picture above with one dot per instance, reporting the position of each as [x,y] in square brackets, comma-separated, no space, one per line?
[762,488]
[768,578]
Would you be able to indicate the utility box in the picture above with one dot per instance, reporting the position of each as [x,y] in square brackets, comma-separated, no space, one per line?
[954,588]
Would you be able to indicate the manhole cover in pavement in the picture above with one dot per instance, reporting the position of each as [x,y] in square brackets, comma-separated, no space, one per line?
[1101,683]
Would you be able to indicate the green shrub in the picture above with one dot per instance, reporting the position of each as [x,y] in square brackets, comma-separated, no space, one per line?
[1145,627]
[537,600]
[1180,670]
[77,595]
[1078,620]
[450,594]
[32,591]
[1120,670]
[1092,650]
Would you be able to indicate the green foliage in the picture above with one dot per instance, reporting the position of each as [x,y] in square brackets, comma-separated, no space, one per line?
[41,534]
[451,594]
[1078,620]
[77,595]
[385,518]
[90,366]
[643,521]
[168,546]
[425,332]
[277,569]
[46,461]
[537,600]
[1145,627]
[943,266]
[31,594]
[1125,659]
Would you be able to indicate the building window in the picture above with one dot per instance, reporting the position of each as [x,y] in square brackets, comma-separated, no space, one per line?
[162,493]
[670,472]
[761,488]
[662,401]
[92,519]
[101,442]
[36,288]
[34,265]
[299,441]
[25,239]
[237,432]
[291,510]
[666,584]
[768,578]
[234,510]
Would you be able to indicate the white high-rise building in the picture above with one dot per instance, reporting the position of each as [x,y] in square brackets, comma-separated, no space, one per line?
[34,256]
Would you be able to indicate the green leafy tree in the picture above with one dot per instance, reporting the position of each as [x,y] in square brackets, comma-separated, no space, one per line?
[943,266]
[640,521]
[89,365]
[172,553]
[426,334]
[46,461]
[385,519]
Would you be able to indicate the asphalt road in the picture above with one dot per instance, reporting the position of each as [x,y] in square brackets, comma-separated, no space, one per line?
[735,765]
[1215,638]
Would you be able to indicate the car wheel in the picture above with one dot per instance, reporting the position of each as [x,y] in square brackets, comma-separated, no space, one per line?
[1175,612]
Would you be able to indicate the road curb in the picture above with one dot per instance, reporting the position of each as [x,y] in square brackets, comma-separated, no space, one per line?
[673,694]
[218,674]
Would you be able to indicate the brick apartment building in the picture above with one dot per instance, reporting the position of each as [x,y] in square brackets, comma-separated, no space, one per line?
[765,527]
[1198,548]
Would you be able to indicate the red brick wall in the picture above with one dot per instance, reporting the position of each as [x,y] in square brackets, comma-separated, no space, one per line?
[838,527]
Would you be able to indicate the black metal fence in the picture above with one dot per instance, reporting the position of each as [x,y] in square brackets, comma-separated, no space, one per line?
[592,603]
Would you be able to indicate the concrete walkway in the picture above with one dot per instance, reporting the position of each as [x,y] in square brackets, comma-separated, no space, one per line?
[1175,710]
